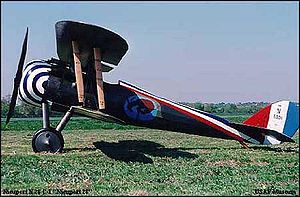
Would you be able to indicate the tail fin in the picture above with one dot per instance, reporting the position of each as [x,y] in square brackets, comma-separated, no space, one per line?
[282,116]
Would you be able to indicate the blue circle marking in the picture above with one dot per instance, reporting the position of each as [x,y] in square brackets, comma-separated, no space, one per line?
[141,108]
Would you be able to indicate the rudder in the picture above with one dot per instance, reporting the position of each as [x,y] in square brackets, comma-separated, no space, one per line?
[282,116]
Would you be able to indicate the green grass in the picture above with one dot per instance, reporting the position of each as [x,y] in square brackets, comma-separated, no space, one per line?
[78,123]
[136,161]
[73,124]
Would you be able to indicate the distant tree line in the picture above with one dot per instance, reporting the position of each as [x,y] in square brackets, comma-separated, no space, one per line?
[23,110]
[222,108]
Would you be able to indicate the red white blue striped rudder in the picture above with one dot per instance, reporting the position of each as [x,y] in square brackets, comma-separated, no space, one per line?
[282,116]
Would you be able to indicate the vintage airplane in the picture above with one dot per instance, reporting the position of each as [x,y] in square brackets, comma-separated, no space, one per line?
[73,84]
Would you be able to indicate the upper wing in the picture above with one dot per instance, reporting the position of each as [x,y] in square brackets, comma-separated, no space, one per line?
[113,47]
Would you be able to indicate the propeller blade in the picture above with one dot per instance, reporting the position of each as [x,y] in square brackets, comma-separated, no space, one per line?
[17,79]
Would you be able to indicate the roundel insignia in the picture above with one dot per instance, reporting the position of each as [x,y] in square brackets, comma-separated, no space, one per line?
[141,108]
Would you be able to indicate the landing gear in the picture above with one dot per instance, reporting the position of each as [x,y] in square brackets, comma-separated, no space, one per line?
[49,139]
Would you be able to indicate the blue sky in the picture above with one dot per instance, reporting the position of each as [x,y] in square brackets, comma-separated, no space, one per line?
[183,51]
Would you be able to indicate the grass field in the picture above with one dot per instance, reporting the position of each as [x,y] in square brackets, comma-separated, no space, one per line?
[107,159]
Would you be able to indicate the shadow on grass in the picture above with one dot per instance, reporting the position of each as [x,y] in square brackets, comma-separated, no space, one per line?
[276,149]
[262,148]
[136,150]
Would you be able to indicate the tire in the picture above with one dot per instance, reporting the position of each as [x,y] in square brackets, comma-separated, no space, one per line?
[47,140]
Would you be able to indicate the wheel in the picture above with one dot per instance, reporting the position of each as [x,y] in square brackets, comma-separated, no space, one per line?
[48,140]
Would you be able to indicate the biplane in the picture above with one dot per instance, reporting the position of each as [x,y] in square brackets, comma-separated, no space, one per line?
[73,84]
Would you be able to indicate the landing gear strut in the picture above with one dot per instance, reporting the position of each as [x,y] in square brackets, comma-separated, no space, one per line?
[49,139]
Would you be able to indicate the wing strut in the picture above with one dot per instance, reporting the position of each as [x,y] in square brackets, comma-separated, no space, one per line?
[99,78]
[78,72]
[79,79]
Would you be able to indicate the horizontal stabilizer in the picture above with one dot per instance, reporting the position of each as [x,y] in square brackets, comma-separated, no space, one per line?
[259,133]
